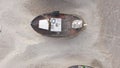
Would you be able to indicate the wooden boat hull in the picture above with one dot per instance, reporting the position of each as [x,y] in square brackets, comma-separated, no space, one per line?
[67,29]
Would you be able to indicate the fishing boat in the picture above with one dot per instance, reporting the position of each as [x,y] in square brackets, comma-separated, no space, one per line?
[56,24]
[80,66]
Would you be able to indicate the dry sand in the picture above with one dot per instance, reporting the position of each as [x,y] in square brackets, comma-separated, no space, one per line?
[22,47]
